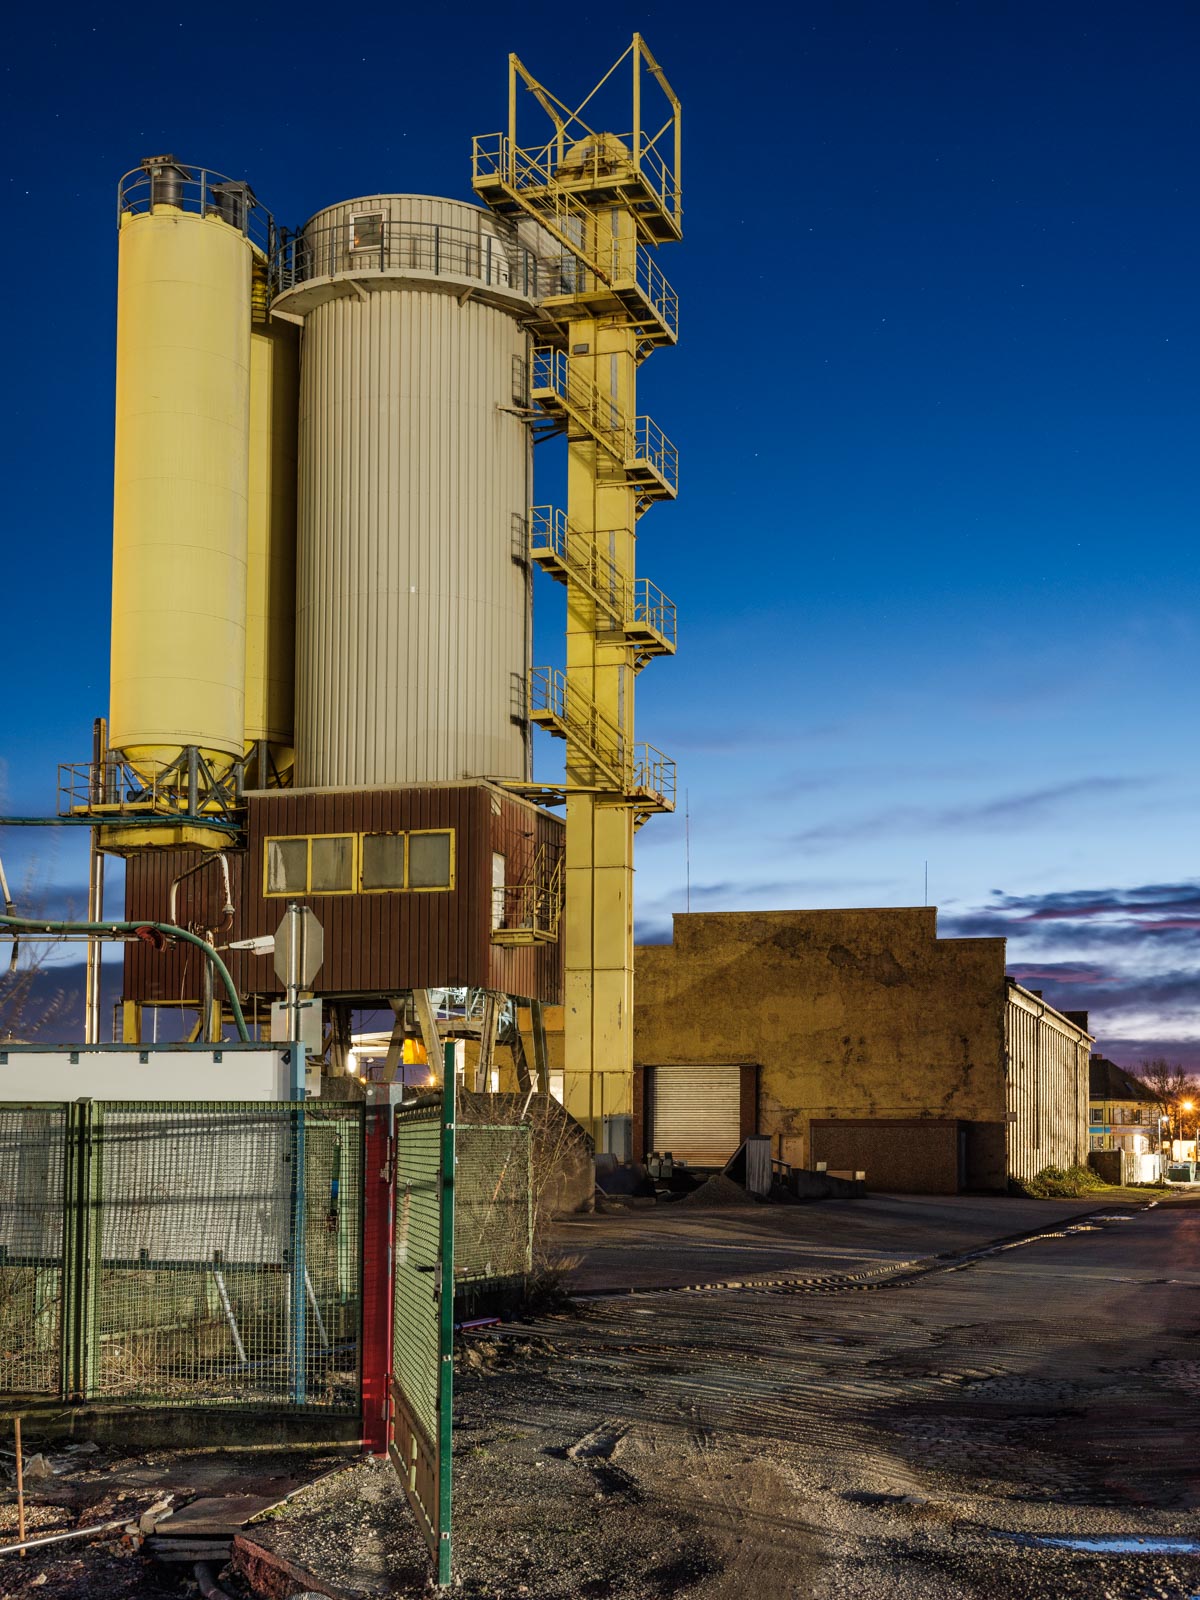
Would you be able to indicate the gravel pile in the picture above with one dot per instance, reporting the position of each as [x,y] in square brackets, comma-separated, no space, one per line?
[718,1191]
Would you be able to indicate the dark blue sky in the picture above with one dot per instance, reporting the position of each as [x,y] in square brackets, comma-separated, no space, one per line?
[935,400]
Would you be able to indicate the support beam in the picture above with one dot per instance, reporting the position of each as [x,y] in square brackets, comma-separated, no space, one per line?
[487,1040]
[541,1063]
[131,1022]
[395,1055]
[427,1023]
[340,1039]
[516,1044]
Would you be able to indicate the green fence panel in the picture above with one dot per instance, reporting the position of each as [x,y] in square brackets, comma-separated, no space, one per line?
[33,1180]
[423,1317]
[493,1227]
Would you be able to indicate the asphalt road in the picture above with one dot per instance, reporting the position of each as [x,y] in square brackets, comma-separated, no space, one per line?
[929,1435]
[673,1246]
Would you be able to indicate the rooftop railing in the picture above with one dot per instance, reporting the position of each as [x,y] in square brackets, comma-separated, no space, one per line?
[164,183]
[369,243]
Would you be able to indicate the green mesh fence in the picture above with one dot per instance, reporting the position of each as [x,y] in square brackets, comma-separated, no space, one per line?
[493,1225]
[416,1257]
[212,1254]
[33,1153]
[423,1317]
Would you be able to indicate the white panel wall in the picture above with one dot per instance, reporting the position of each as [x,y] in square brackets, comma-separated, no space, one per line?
[131,1072]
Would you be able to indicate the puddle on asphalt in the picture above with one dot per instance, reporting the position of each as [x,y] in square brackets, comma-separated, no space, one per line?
[1113,1544]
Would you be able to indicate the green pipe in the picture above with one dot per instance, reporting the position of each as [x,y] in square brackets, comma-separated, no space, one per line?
[32,925]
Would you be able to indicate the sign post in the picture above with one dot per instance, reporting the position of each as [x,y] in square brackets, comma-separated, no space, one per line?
[299,952]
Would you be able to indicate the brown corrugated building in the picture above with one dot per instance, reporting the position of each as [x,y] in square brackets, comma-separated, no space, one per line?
[416,888]
[858,1038]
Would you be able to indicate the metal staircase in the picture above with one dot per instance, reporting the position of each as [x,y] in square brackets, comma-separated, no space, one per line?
[592,205]
[639,614]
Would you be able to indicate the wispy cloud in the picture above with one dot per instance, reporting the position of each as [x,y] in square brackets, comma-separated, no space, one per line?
[1159,899]
[1128,955]
[1005,812]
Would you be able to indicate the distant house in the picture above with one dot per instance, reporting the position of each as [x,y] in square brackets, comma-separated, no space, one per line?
[1122,1113]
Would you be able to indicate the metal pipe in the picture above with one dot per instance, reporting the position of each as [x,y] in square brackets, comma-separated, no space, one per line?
[57,1538]
[209,1033]
[227,909]
[167,929]
[207,1582]
[8,907]
[20,1482]
[92,971]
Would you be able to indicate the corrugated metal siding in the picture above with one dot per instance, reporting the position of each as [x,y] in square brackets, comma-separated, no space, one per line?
[412,629]
[381,943]
[696,1112]
[375,943]
[173,974]
[1048,1066]
[518,831]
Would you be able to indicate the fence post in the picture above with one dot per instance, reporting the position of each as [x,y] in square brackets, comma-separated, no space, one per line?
[445,1409]
[299,1296]
[378,1287]
[82,1234]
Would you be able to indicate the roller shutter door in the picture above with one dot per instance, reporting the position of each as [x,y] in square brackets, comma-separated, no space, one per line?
[696,1113]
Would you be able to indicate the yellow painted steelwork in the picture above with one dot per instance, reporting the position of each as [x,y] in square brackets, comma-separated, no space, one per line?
[127,841]
[180,492]
[605,200]
[271,546]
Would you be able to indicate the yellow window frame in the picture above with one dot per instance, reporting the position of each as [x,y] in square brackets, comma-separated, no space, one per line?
[383,833]
[432,888]
[406,834]
[308,839]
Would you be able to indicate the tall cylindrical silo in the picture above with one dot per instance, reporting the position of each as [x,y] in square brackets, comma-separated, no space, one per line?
[412,606]
[271,550]
[181,464]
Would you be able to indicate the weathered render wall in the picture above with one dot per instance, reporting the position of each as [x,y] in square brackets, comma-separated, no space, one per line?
[1048,1065]
[850,1014]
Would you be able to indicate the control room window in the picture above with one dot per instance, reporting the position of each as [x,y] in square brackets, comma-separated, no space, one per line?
[383,861]
[430,861]
[287,866]
[331,865]
[499,865]
[366,231]
[320,865]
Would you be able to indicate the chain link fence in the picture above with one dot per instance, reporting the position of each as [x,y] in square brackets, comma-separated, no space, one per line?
[182,1253]
[493,1238]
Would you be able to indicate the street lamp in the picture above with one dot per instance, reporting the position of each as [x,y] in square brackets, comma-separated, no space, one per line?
[1186,1105]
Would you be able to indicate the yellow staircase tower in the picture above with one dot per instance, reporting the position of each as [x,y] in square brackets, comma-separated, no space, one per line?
[603,202]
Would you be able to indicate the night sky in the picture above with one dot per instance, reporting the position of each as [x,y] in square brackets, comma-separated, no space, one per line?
[935,399]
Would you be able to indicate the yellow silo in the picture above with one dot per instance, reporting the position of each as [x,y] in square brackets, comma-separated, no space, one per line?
[180,501]
[271,549]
